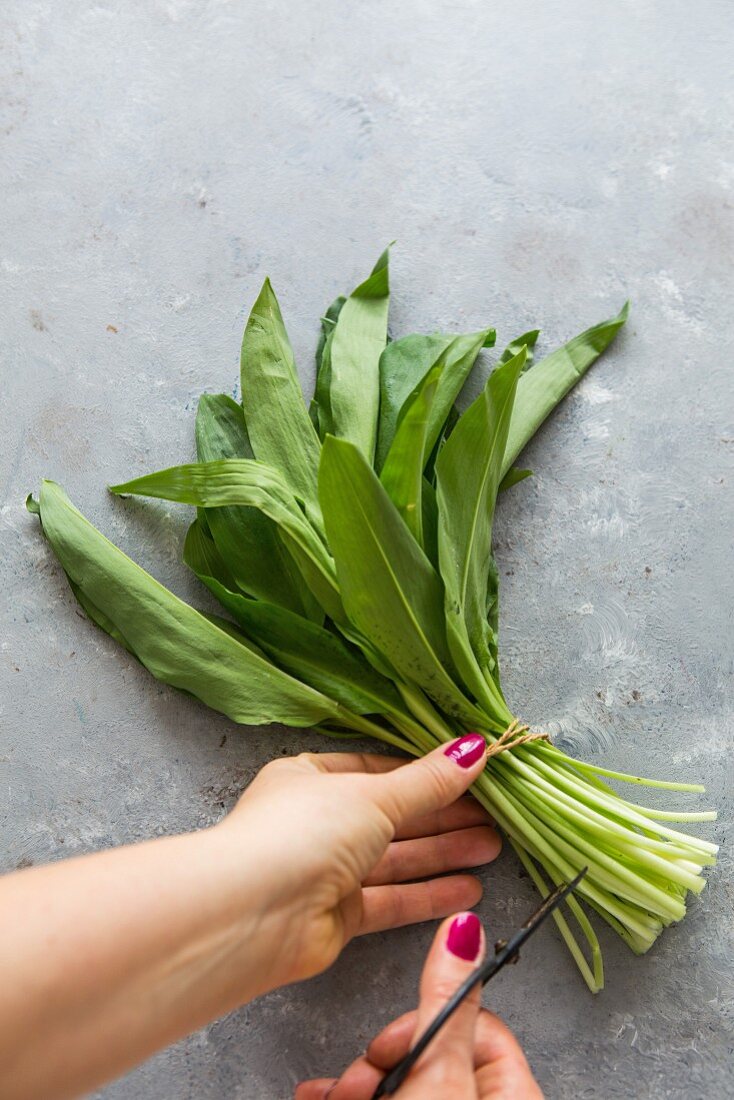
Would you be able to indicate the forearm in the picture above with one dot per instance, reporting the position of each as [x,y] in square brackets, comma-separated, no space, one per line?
[107,958]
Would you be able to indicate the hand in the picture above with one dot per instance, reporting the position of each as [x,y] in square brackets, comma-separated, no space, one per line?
[339,840]
[473,1057]
[108,957]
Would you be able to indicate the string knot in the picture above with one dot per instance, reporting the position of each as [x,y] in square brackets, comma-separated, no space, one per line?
[515,734]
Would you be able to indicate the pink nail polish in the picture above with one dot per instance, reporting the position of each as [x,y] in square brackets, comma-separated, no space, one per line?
[467,750]
[465,936]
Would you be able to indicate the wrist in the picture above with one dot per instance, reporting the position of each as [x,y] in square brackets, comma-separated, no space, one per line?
[257,912]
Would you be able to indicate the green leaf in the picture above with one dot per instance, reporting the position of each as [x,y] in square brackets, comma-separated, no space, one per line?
[512,477]
[402,473]
[309,652]
[429,509]
[176,643]
[405,363]
[528,341]
[201,555]
[278,423]
[253,484]
[247,539]
[321,403]
[328,324]
[391,592]
[467,481]
[548,382]
[451,421]
[354,351]
[99,617]
[320,407]
[493,621]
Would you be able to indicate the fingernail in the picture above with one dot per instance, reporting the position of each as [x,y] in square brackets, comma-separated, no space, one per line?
[467,750]
[465,936]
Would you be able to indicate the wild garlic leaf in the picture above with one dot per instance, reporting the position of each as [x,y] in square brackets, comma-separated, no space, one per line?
[246,538]
[201,555]
[402,473]
[512,477]
[252,484]
[103,621]
[354,349]
[403,365]
[278,424]
[528,341]
[548,382]
[467,481]
[321,404]
[320,407]
[451,421]
[93,612]
[309,652]
[328,324]
[318,657]
[429,509]
[390,590]
[493,621]
[176,643]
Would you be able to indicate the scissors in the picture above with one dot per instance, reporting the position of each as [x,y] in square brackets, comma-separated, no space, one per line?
[504,953]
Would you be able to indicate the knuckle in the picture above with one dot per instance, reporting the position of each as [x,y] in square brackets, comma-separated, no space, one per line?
[441,780]
[450,1073]
[443,988]
[307,763]
[272,768]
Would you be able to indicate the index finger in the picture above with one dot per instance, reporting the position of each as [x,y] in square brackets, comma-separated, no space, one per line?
[501,1066]
[393,1042]
[462,814]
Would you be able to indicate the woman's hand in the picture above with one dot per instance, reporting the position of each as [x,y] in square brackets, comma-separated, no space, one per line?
[339,840]
[109,957]
[473,1057]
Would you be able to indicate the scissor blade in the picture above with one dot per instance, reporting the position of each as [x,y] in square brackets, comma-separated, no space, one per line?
[553,901]
[506,954]
[483,973]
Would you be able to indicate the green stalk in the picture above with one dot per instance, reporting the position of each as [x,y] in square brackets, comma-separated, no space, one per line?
[569,862]
[522,758]
[594,979]
[503,714]
[361,724]
[422,709]
[608,870]
[663,785]
[679,816]
[597,822]
[415,733]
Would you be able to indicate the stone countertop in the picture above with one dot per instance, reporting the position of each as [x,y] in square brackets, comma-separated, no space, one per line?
[538,163]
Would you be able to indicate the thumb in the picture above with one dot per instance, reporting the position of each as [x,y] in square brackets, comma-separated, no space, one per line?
[448,1061]
[432,782]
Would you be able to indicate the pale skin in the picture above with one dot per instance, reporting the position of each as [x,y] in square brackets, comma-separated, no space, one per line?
[110,957]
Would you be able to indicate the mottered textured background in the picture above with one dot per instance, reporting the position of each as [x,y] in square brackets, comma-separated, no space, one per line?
[538,163]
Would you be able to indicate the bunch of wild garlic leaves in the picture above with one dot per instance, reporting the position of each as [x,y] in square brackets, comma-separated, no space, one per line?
[351,547]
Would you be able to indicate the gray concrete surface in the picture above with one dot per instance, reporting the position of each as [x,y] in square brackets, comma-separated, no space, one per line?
[538,163]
